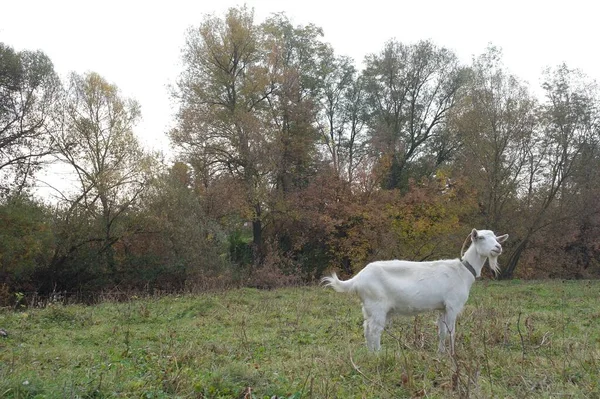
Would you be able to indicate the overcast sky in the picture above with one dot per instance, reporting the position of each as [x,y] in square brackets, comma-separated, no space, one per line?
[137,44]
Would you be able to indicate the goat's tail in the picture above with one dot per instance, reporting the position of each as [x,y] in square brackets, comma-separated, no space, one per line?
[340,286]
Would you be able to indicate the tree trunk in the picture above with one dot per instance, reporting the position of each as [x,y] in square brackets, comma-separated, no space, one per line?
[513,260]
[257,241]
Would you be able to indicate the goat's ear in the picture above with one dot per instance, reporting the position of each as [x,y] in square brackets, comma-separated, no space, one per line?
[501,239]
[474,235]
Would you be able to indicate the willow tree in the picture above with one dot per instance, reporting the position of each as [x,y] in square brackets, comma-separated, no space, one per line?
[295,56]
[247,106]
[342,116]
[496,120]
[29,88]
[111,169]
[409,91]
[222,93]
[569,128]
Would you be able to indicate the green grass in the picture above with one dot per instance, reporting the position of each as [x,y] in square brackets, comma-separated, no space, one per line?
[514,340]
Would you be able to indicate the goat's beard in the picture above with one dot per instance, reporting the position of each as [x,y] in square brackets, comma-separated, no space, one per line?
[493,263]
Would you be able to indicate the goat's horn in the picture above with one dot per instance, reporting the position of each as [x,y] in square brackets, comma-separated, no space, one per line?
[462,250]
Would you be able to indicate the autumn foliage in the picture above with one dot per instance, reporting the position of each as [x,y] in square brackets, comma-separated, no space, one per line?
[288,161]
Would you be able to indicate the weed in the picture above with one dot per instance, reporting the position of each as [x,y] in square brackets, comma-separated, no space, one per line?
[515,339]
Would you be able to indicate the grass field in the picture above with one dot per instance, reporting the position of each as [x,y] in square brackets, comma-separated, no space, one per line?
[514,340]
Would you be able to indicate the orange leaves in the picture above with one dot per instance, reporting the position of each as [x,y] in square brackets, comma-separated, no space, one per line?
[354,228]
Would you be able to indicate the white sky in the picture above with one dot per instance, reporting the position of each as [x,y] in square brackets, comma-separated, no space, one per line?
[137,44]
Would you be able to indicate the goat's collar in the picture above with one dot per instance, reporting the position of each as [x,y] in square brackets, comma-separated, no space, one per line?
[469,268]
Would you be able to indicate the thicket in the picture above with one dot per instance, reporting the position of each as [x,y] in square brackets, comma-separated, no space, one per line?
[288,160]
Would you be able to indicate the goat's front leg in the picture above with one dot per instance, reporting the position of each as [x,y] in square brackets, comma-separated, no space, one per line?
[442,332]
[451,326]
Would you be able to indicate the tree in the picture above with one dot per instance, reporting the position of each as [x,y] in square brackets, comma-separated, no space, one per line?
[247,106]
[570,126]
[26,243]
[98,143]
[295,58]
[496,121]
[29,87]
[183,239]
[343,116]
[580,199]
[409,91]
[221,93]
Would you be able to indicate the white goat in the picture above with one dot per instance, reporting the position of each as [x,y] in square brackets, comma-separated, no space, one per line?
[409,288]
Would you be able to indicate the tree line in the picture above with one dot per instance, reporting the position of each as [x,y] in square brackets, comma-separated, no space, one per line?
[290,160]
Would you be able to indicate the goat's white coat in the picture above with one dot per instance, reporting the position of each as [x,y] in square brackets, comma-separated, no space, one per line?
[408,288]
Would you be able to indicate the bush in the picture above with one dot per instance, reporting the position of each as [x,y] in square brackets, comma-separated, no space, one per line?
[26,242]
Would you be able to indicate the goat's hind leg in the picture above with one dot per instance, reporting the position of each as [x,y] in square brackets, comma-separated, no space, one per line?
[374,324]
[366,323]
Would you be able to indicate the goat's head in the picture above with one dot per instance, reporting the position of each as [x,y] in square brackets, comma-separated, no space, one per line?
[488,245]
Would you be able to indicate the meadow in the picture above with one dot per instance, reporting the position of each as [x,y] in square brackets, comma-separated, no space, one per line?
[514,339]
